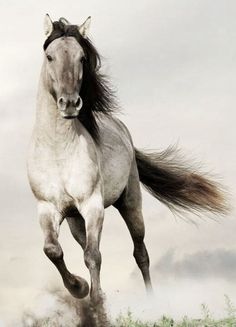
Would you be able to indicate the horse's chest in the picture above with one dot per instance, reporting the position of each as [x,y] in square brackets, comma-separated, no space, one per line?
[62,179]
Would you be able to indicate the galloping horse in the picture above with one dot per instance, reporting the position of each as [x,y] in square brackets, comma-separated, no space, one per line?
[82,159]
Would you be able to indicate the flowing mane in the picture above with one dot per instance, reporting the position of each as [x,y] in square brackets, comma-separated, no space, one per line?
[96,92]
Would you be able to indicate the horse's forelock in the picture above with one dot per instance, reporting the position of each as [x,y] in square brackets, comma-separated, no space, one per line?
[60,29]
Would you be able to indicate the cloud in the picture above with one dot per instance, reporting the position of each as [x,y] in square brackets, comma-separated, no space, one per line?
[220,263]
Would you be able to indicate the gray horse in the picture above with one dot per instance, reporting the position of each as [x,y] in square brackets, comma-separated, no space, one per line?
[82,160]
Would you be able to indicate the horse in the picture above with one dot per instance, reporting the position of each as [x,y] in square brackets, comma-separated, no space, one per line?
[82,160]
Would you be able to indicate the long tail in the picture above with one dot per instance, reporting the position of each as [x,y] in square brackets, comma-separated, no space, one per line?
[177,185]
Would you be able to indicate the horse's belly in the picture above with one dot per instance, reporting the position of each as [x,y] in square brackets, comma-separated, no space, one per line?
[115,172]
[114,188]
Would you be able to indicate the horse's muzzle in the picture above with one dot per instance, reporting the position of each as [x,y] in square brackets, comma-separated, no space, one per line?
[69,109]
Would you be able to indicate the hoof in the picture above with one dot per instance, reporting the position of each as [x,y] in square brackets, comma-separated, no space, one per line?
[77,286]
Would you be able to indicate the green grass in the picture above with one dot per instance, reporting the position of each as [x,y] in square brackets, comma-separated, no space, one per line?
[129,321]
[207,320]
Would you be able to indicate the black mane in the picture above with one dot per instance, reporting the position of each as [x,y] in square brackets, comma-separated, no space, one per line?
[96,93]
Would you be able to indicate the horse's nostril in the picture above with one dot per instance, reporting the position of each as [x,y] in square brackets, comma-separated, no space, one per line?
[79,103]
[61,101]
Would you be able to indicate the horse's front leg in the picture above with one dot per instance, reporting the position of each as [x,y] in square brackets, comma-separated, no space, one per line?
[50,220]
[93,213]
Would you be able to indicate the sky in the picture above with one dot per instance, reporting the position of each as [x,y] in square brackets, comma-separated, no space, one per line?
[173,66]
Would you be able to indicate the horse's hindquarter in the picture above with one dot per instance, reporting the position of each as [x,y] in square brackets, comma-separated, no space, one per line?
[116,156]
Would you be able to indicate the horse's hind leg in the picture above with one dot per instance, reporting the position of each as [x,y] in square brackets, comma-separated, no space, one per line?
[50,220]
[77,228]
[134,221]
[130,208]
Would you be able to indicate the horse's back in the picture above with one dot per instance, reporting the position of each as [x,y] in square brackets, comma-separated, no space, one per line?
[116,157]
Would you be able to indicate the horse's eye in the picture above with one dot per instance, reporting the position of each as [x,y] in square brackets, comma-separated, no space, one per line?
[49,58]
[82,59]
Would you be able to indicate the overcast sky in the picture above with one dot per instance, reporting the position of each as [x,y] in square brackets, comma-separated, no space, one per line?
[173,65]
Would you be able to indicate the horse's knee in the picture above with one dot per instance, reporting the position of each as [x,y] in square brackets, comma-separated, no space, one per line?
[53,251]
[92,258]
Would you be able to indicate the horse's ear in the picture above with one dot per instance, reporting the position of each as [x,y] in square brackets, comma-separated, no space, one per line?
[84,28]
[48,25]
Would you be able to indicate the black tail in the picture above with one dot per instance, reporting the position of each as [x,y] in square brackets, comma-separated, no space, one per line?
[178,186]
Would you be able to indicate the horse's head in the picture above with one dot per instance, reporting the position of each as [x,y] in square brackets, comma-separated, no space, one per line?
[64,61]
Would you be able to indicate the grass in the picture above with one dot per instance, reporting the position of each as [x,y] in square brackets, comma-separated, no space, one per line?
[57,318]
[128,321]
[207,320]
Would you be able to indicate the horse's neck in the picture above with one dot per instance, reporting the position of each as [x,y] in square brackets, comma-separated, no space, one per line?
[50,128]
